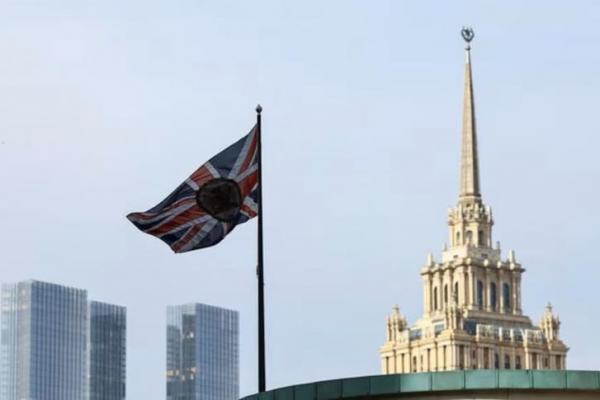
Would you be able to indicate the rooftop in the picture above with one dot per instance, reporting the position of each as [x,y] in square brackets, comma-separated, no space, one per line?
[401,385]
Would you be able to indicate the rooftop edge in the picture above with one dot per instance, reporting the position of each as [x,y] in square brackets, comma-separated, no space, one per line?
[385,385]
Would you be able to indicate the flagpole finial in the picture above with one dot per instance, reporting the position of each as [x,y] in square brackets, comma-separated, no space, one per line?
[468,35]
[258,108]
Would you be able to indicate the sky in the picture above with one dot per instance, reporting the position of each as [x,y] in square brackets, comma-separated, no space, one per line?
[106,106]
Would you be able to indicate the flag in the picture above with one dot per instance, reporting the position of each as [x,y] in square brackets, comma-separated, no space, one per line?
[217,197]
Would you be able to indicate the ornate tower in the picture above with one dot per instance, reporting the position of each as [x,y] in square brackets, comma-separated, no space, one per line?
[472,316]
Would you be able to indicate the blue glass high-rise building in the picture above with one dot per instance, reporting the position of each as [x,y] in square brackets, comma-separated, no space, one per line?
[44,341]
[106,351]
[51,348]
[202,353]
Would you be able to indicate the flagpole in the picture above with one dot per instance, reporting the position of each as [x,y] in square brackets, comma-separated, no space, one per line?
[259,269]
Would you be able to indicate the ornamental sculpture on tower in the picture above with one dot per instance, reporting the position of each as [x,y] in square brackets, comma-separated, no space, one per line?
[472,317]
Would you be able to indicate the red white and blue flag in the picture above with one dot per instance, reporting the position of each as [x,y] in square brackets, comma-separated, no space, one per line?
[221,194]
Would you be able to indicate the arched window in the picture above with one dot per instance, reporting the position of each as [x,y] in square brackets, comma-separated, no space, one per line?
[456,292]
[506,295]
[493,296]
[446,294]
[469,237]
[479,294]
[435,298]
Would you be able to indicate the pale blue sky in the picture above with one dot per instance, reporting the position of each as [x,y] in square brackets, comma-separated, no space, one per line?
[106,106]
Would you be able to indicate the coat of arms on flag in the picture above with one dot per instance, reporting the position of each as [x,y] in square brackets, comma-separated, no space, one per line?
[219,195]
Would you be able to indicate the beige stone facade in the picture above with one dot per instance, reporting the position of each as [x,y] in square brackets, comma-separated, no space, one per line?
[472,312]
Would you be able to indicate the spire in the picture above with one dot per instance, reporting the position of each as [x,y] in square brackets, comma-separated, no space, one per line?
[469,165]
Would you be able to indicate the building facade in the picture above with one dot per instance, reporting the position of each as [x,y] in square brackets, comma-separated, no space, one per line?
[107,351]
[472,312]
[47,335]
[202,353]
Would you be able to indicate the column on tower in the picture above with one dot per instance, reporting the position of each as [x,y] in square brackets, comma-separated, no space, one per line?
[471,278]
[517,289]
[501,290]
[449,286]
[514,306]
[527,359]
[487,290]
[453,356]
[462,286]
[427,292]
[440,291]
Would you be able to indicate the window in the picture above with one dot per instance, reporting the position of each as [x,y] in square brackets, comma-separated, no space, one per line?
[421,364]
[461,356]
[415,334]
[546,362]
[534,361]
[518,362]
[445,294]
[474,362]
[496,361]
[469,237]
[493,296]
[414,368]
[479,294]
[435,298]
[506,295]
[558,362]
[486,358]
[506,361]
[481,238]
[455,294]
[457,238]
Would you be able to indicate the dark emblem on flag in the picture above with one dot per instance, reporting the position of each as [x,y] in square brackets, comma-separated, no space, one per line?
[208,205]
[220,198]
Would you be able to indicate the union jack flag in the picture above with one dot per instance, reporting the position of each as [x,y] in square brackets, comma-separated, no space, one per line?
[221,194]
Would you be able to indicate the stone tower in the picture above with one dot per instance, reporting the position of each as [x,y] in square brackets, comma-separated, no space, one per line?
[472,316]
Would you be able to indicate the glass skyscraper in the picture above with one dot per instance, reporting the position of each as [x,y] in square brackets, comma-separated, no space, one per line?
[43,342]
[202,353]
[107,345]
[53,348]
